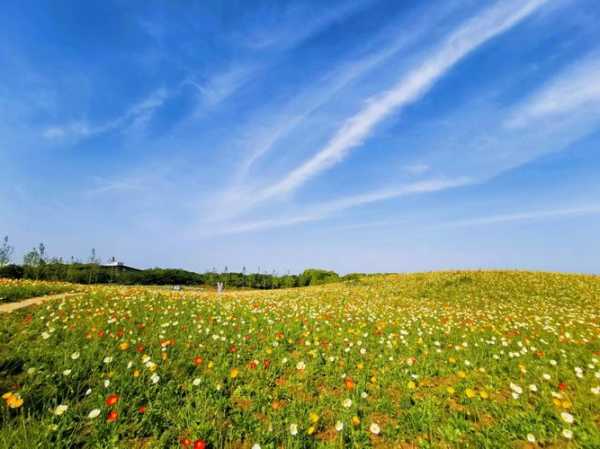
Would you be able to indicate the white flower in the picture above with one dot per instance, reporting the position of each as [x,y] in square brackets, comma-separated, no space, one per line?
[364,395]
[553,362]
[533,387]
[339,426]
[30,371]
[106,383]
[546,376]
[88,391]
[567,434]
[256,446]
[75,355]
[66,372]
[300,365]
[374,428]
[94,413]
[517,389]
[347,403]
[293,429]
[155,378]
[196,381]
[107,360]
[531,438]
[129,365]
[595,390]
[60,409]
[45,335]
[567,417]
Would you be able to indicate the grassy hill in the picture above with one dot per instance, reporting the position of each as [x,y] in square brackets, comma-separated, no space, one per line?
[432,360]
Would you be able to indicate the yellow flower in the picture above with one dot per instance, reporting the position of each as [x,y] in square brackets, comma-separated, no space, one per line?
[450,390]
[210,365]
[124,346]
[310,430]
[484,394]
[355,420]
[13,400]
[313,417]
[136,373]
[411,385]
[462,374]
[470,393]
[234,373]
[452,360]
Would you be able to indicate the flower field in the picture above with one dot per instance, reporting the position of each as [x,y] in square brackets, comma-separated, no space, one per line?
[442,360]
[15,290]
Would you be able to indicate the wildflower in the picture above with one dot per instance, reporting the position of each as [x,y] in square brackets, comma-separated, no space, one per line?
[595,390]
[293,429]
[199,444]
[374,429]
[450,390]
[67,372]
[568,434]
[107,360]
[60,409]
[13,400]
[313,417]
[155,378]
[75,355]
[411,385]
[531,438]
[112,399]
[339,426]
[567,417]
[355,420]
[142,409]
[234,373]
[349,383]
[45,335]
[533,388]
[197,360]
[124,346]
[88,391]
[256,446]
[300,365]
[196,381]
[106,383]
[94,413]
[483,394]
[112,416]
[470,393]
[347,403]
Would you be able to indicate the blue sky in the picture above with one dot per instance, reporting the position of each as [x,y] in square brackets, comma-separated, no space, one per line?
[366,135]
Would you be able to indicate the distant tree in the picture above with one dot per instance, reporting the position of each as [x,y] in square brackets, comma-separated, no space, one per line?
[32,258]
[93,258]
[42,253]
[6,252]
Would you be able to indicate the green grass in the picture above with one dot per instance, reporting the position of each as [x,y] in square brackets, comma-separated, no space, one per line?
[16,290]
[429,359]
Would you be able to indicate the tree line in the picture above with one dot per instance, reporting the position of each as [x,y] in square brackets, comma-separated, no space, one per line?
[38,265]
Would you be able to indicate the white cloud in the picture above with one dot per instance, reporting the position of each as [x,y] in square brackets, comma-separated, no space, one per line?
[356,129]
[576,88]
[524,216]
[330,208]
[136,115]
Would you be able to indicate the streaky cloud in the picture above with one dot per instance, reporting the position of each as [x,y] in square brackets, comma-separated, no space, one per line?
[468,37]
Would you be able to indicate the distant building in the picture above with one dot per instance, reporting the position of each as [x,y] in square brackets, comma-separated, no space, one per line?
[118,266]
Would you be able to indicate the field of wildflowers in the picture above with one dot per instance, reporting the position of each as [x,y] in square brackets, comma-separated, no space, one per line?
[438,360]
[15,290]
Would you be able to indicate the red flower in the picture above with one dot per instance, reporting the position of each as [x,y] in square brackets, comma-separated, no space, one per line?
[112,416]
[349,383]
[198,360]
[562,386]
[266,363]
[185,442]
[142,409]
[199,444]
[112,399]
[253,364]
[140,348]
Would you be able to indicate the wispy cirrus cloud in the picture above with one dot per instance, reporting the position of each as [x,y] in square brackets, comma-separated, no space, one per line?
[137,115]
[328,209]
[576,89]
[532,215]
[468,37]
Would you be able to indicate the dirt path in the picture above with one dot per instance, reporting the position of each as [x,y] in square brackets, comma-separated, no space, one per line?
[10,306]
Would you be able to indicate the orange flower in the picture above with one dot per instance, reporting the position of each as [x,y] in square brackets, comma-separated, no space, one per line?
[112,416]
[349,383]
[112,399]
[198,360]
